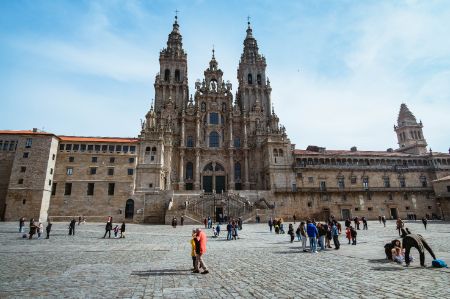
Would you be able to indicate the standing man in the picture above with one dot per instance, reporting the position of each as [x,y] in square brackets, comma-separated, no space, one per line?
[383,219]
[312,232]
[229,230]
[270,224]
[201,238]
[108,229]
[48,229]
[364,220]
[294,218]
[182,220]
[72,227]
[335,234]
[424,221]
[21,224]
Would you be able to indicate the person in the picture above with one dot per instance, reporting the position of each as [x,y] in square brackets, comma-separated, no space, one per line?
[383,219]
[348,234]
[122,230]
[235,229]
[48,229]
[72,227]
[209,222]
[40,230]
[174,222]
[291,232]
[21,224]
[364,220]
[182,220]
[193,242]
[400,225]
[424,221]
[322,234]
[335,234]
[294,218]
[229,230]
[218,230]
[417,241]
[270,224]
[32,228]
[312,232]
[116,231]
[108,229]
[353,233]
[239,223]
[304,235]
[379,218]
[79,220]
[357,222]
[298,233]
[280,222]
[201,237]
[397,252]
[205,222]
[328,235]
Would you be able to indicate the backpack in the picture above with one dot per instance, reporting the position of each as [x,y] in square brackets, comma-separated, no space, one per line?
[439,264]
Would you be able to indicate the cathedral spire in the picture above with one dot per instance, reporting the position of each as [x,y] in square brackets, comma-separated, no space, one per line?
[405,116]
[409,132]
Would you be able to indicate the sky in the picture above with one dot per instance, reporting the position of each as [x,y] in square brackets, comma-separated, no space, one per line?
[339,70]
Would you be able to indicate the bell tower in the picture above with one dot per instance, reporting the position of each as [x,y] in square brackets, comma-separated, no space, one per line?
[254,87]
[172,81]
[409,133]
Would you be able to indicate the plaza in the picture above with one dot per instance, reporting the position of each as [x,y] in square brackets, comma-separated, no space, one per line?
[155,262]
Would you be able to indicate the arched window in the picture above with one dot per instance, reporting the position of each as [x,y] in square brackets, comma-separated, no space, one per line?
[280,152]
[250,79]
[203,106]
[167,75]
[190,141]
[415,135]
[208,167]
[258,79]
[219,167]
[214,139]
[420,135]
[214,118]
[275,152]
[177,76]
[189,170]
[153,150]
[147,150]
[237,171]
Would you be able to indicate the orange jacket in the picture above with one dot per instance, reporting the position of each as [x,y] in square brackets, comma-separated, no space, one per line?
[201,237]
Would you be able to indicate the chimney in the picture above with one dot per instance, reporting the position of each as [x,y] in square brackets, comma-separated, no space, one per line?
[35,130]
[353,149]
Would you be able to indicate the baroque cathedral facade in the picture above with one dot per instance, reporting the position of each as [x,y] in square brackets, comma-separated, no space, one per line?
[216,154]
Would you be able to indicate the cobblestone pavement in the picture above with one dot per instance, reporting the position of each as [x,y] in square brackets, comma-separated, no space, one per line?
[154,262]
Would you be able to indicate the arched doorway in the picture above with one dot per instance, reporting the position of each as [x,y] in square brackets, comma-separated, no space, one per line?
[129,209]
[214,178]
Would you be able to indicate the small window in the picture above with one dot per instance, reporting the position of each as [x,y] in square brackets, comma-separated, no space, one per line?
[356,209]
[167,75]
[190,141]
[111,148]
[429,207]
[214,139]
[104,148]
[68,189]
[203,107]
[237,142]
[370,209]
[24,201]
[53,157]
[97,147]
[323,186]
[407,208]
[177,76]
[130,160]
[20,182]
[341,183]
[110,171]
[118,148]
[93,170]
[132,148]
[112,160]
[150,185]
[51,170]
[26,155]
[214,118]
[61,146]
[189,170]
[83,147]
[71,159]
[49,182]
[130,171]
[310,180]
[309,204]
[402,182]
[387,182]
[405,196]
[366,183]
[111,187]
[90,147]
[448,188]
[23,169]
[68,147]
[29,142]
[250,79]
[54,189]
[353,180]
[94,160]
[76,147]
[69,171]
[90,189]
[152,158]
[258,79]
[125,149]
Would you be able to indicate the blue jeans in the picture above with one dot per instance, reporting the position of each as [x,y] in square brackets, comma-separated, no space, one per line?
[322,242]
[229,236]
[313,244]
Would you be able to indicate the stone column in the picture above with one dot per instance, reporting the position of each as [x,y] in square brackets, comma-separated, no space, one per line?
[181,169]
[231,173]
[247,183]
[197,170]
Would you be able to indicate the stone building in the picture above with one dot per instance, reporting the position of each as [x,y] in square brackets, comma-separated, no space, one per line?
[214,154]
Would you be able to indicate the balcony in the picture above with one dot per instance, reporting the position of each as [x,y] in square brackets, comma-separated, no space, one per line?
[352,189]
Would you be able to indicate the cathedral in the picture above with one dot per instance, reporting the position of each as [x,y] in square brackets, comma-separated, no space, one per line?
[216,154]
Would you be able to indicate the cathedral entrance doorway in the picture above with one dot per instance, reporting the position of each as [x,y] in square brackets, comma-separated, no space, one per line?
[214,178]
[129,209]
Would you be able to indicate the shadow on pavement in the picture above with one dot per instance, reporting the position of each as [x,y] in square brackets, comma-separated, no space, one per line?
[161,272]
[380,261]
[388,269]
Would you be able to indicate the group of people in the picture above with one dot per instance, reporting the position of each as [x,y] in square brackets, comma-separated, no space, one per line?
[116,229]
[35,228]
[233,228]
[175,221]
[277,225]
[198,249]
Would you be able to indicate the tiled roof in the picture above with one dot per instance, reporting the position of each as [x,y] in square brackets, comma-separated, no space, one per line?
[24,132]
[97,139]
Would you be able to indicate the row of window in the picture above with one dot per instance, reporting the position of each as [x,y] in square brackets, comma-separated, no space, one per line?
[213,141]
[95,159]
[177,75]
[8,145]
[413,134]
[250,79]
[93,170]
[119,148]
[89,190]
[365,182]
[212,168]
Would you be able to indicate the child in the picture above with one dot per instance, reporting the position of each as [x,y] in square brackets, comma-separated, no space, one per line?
[353,234]
[194,238]
[291,232]
[116,231]
[40,230]
[298,233]
[348,234]
[214,231]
